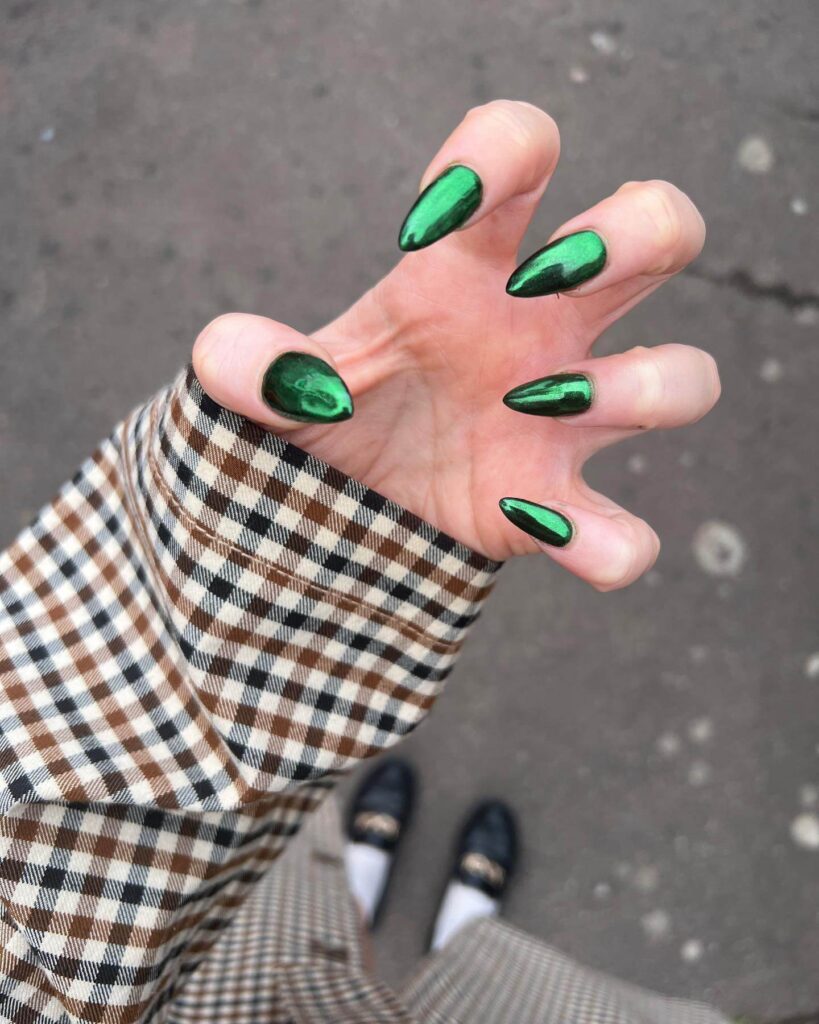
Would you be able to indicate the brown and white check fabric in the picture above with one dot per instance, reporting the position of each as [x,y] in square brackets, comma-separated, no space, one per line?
[204,627]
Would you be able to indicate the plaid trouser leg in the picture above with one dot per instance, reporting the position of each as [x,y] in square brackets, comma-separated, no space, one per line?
[293,952]
[492,973]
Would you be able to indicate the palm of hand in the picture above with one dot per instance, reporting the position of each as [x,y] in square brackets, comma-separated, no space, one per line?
[429,353]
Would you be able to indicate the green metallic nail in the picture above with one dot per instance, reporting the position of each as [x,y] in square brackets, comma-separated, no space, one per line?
[443,206]
[305,388]
[538,521]
[562,394]
[562,264]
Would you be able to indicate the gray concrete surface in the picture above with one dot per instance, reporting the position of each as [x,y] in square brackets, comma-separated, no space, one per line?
[165,162]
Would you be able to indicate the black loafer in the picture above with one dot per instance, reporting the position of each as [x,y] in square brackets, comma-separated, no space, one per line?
[381,806]
[487,850]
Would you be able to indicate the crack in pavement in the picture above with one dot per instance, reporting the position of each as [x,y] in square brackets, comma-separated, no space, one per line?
[811,1018]
[742,281]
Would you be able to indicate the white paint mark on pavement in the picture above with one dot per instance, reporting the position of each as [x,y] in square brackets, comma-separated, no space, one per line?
[701,730]
[771,371]
[805,831]
[603,43]
[806,316]
[668,744]
[755,155]
[719,549]
[692,951]
[656,925]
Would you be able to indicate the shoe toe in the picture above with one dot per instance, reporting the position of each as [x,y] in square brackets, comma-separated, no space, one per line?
[488,850]
[381,806]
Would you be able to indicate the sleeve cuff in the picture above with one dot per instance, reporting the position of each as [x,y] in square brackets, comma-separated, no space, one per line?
[253,492]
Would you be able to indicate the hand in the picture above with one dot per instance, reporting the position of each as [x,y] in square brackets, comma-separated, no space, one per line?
[429,352]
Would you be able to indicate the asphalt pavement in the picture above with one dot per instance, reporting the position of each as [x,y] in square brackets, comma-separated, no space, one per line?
[164,162]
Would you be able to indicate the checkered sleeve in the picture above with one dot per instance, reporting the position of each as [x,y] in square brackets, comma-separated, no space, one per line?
[204,627]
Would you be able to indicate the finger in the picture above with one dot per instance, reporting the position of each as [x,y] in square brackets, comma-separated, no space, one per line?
[603,545]
[642,389]
[617,251]
[270,373]
[487,177]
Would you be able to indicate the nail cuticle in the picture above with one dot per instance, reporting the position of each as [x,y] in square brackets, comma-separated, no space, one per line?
[305,388]
[445,205]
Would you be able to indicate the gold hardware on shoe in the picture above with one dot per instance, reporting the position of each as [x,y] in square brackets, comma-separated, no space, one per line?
[382,824]
[483,867]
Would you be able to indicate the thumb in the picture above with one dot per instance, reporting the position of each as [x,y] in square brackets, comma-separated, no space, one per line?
[269,373]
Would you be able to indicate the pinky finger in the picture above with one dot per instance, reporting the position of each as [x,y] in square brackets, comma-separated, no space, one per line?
[607,547]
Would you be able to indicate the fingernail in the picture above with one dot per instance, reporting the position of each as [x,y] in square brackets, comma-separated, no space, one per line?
[443,206]
[564,263]
[305,388]
[562,394]
[538,521]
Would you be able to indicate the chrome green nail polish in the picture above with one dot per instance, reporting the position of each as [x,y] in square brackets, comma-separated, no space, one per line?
[564,263]
[562,394]
[305,388]
[443,206]
[538,521]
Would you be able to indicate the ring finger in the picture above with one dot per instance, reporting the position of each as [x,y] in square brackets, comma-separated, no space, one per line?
[644,388]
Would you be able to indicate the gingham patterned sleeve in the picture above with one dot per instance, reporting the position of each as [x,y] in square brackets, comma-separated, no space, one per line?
[204,627]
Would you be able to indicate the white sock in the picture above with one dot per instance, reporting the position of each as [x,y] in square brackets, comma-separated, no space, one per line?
[367,870]
[460,905]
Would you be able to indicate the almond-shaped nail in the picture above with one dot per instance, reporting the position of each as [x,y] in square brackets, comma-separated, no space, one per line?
[303,387]
[539,521]
[561,394]
[562,264]
[442,207]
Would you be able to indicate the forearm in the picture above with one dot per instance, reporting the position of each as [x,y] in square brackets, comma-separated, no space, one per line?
[199,632]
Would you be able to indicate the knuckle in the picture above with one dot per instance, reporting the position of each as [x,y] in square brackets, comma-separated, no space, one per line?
[676,225]
[639,550]
[523,124]
[653,546]
[661,204]
[617,573]
[512,122]
[619,567]
[712,371]
[210,347]
[703,374]
[650,388]
[219,326]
